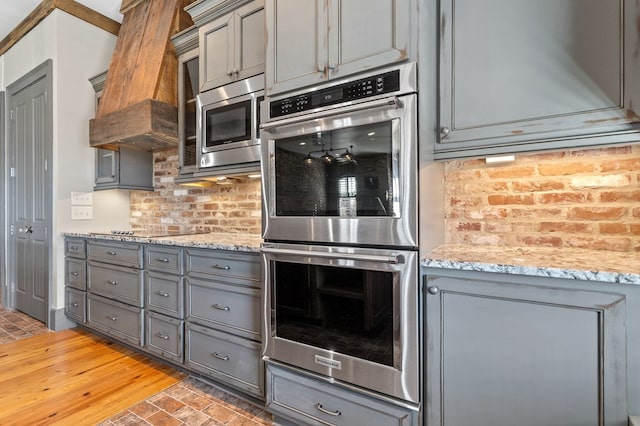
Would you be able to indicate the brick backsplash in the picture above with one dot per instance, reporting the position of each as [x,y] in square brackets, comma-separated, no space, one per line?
[173,207]
[582,199]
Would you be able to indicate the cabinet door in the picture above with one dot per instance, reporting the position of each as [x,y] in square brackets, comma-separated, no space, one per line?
[106,167]
[517,71]
[512,354]
[249,40]
[187,90]
[365,34]
[217,60]
[297,49]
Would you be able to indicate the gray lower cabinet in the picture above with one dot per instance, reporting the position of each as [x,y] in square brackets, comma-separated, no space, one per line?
[309,400]
[223,337]
[503,351]
[75,268]
[164,302]
[115,302]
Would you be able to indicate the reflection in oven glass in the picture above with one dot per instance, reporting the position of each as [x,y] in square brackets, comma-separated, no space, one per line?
[344,172]
[348,311]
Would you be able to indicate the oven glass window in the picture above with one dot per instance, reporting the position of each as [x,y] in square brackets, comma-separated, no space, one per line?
[344,172]
[227,124]
[349,311]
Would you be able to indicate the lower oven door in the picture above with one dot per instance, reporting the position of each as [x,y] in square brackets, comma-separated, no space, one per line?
[347,313]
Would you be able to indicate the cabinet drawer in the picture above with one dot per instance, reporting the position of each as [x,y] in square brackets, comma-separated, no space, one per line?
[165,336]
[75,247]
[165,294]
[235,308]
[163,259]
[311,401]
[230,359]
[116,319]
[122,254]
[116,282]
[75,304]
[76,273]
[224,263]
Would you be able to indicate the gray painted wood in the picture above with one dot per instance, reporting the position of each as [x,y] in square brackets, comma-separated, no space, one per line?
[516,71]
[505,353]
[232,46]
[333,39]
[31,190]
[4,290]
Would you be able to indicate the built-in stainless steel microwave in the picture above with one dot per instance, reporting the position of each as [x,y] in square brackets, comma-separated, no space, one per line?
[228,119]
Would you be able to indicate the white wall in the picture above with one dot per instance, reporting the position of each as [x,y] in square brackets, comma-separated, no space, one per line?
[79,51]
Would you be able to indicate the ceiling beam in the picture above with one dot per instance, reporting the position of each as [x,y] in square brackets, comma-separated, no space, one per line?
[43,10]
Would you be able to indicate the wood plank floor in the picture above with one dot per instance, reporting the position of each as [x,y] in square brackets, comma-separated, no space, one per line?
[74,377]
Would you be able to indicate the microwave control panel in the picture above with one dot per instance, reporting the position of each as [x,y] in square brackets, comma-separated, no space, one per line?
[388,82]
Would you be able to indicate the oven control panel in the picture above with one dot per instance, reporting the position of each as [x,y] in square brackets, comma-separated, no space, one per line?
[388,82]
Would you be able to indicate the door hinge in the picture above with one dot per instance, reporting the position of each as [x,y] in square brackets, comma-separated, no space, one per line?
[46,165]
[11,115]
[12,172]
[13,230]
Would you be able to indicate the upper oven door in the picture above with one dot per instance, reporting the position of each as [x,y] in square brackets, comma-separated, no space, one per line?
[343,176]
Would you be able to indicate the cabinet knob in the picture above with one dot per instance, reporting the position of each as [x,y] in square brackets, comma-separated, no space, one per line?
[221,308]
[112,282]
[75,274]
[444,132]
[160,293]
[74,304]
[433,290]
[226,267]
[163,259]
[162,336]
[112,317]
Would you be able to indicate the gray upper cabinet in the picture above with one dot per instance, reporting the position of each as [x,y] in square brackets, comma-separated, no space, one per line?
[186,44]
[124,169]
[309,42]
[232,45]
[519,75]
[510,353]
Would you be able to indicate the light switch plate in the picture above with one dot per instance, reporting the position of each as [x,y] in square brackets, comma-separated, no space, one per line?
[81,212]
[82,198]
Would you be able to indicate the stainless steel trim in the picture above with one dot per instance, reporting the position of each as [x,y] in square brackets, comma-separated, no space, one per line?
[393,259]
[352,107]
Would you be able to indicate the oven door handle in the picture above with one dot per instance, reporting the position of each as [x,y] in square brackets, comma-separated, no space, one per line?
[393,259]
[380,103]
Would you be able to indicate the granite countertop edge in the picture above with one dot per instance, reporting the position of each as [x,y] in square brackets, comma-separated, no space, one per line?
[230,242]
[573,264]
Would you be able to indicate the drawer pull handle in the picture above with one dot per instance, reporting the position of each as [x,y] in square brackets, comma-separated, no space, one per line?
[159,293]
[112,317]
[221,308]
[221,356]
[162,336]
[222,267]
[75,274]
[163,259]
[74,304]
[74,247]
[112,253]
[112,282]
[325,411]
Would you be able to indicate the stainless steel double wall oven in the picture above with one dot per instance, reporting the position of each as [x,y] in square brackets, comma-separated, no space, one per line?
[340,190]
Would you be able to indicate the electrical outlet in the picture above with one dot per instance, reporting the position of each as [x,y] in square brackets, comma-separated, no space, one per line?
[81,212]
[82,198]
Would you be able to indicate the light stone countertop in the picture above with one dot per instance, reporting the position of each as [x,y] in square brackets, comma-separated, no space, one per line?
[216,241]
[578,264]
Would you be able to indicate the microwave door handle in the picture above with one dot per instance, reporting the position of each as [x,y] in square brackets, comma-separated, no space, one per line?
[380,103]
[392,259]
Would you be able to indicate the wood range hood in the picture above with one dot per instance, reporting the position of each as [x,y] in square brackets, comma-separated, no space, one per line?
[138,108]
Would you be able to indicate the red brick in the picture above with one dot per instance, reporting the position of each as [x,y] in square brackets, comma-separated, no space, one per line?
[565,227]
[608,244]
[618,196]
[563,168]
[467,226]
[565,198]
[510,172]
[499,200]
[613,228]
[632,164]
[537,186]
[597,213]
[542,241]
[536,212]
